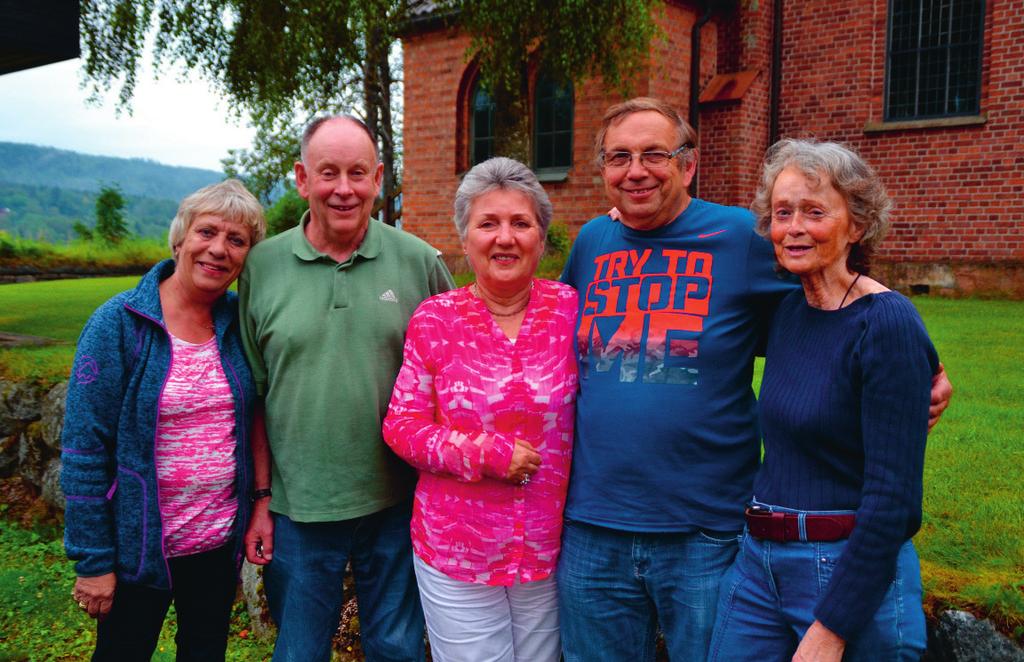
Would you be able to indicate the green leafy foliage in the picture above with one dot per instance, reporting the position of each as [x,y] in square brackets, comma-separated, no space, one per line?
[111,226]
[286,212]
[569,40]
[282,62]
[557,241]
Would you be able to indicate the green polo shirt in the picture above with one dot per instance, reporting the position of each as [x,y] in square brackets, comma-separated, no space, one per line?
[325,344]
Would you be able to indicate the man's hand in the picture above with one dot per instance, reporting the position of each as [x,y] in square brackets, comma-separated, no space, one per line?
[95,595]
[525,462]
[819,645]
[942,391]
[259,537]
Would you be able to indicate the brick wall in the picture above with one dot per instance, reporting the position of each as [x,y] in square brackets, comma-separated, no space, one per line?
[437,77]
[734,134]
[959,191]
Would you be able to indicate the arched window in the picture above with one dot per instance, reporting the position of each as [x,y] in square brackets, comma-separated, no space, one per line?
[552,125]
[481,126]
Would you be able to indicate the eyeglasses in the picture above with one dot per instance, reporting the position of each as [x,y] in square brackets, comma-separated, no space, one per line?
[656,159]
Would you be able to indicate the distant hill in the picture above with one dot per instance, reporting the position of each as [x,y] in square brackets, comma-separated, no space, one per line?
[44,191]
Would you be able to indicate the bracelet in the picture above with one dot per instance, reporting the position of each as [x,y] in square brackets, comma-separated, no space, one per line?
[260,494]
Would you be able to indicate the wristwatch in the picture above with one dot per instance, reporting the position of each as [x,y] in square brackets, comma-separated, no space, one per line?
[260,494]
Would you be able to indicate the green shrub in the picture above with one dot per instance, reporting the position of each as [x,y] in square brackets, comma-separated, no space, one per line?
[558,242]
[286,212]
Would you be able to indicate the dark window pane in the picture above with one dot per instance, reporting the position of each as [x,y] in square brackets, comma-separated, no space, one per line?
[482,127]
[552,126]
[934,55]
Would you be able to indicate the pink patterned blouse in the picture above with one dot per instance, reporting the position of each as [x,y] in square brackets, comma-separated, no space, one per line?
[195,451]
[464,394]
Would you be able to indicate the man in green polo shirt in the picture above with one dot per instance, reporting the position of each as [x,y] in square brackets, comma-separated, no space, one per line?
[324,307]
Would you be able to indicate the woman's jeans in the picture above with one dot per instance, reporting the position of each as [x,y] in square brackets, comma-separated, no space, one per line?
[203,590]
[768,598]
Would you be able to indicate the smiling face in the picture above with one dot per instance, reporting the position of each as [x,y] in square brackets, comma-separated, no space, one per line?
[811,225]
[503,241]
[212,254]
[340,177]
[647,198]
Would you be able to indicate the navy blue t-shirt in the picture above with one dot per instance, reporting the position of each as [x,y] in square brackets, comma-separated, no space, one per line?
[670,319]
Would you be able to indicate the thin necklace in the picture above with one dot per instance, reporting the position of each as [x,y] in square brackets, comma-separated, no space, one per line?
[513,313]
[850,289]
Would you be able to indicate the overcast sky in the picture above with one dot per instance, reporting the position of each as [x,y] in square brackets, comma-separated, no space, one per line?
[173,123]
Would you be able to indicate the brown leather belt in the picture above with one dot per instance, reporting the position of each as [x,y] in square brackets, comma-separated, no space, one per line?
[785,527]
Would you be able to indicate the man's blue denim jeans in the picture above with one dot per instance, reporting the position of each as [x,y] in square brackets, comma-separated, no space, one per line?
[305,595]
[768,598]
[615,587]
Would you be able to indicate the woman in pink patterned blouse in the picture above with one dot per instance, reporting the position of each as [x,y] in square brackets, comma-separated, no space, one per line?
[483,407]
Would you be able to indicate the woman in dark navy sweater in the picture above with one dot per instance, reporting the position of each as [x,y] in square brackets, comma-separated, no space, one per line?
[827,570]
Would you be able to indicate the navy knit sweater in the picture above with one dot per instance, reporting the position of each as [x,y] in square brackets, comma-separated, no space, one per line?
[844,413]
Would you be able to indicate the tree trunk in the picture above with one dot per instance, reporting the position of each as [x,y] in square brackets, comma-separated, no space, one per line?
[377,99]
[512,119]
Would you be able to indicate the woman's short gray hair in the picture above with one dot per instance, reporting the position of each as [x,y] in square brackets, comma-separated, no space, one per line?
[849,174]
[506,174]
[228,199]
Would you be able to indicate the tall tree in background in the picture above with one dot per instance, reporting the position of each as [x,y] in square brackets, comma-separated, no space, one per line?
[110,222]
[569,40]
[282,62]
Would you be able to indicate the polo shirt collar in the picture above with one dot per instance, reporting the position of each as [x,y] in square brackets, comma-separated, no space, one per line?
[368,249]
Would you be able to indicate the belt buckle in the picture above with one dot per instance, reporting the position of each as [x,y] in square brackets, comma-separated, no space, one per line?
[770,524]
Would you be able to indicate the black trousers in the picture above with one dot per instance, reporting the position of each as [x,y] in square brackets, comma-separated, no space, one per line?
[203,590]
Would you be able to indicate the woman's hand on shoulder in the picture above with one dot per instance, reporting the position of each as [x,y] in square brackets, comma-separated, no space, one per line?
[942,392]
[820,644]
[525,462]
[95,595]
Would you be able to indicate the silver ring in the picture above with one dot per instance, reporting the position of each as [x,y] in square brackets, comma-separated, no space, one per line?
[525,480]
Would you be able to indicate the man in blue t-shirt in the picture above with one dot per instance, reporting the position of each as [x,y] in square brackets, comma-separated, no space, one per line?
[674,297]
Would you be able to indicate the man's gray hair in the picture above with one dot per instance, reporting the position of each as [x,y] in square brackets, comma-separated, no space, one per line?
[848,173]
[505,174]
[228,199]
[685,135]
[315,124]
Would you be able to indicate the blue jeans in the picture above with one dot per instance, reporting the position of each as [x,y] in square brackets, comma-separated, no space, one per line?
[615,587]
[305,593]
[768,598]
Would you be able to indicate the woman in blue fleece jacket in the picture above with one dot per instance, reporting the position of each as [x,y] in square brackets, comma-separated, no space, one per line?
[155,447]
[827,570]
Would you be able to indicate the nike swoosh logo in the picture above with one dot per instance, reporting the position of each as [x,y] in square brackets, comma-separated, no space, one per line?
[710,234]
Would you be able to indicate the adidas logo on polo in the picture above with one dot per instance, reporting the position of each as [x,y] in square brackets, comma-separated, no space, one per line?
[389,295]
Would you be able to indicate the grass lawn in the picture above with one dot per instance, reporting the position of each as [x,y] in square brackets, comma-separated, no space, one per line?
[40,621]
[52,309]
[972,553]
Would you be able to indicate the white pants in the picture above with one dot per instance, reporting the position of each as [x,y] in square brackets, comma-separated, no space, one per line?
[470,622]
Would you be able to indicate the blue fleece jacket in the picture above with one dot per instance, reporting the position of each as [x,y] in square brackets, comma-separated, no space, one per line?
[112,517]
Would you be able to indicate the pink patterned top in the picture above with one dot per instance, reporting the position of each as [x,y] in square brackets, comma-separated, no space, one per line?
[464,394]
[195,446]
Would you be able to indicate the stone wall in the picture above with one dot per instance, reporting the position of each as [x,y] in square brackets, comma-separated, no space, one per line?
[28,273]
[30,425]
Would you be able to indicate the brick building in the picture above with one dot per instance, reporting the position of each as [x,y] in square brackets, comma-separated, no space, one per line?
[929,92]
